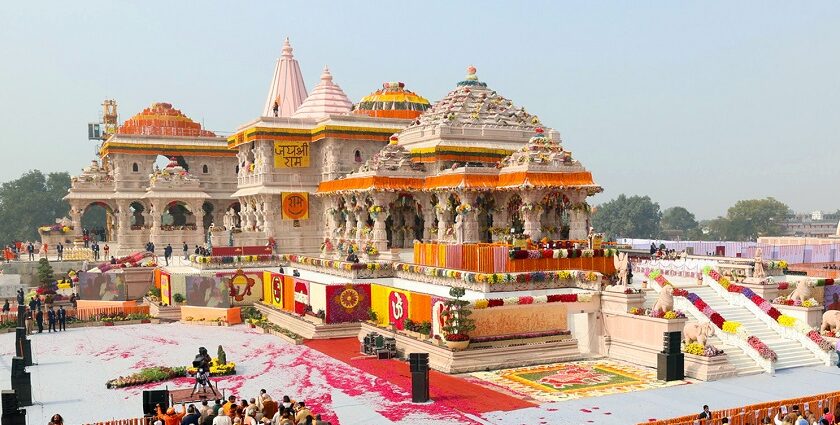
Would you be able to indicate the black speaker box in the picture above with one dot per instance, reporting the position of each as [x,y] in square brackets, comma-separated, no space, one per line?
[21,382]
[21,316]
[418,362]
[670,367]
[420,387]
[671,342]
[152,398]
[12,415]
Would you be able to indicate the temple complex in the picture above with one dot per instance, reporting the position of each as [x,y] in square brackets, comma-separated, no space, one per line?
[458,228]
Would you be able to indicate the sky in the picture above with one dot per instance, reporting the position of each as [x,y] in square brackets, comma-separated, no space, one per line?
[694,103]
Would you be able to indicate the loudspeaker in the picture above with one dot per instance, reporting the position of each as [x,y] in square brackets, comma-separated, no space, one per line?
[418,362]
[21,382]
[12,415]
[152,398]
[21,316]
[670,367]
[420,387]
[23,346]
[671,342]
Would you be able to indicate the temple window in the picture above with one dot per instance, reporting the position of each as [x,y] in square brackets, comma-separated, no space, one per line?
[205,169]
[357,156]
[135,168]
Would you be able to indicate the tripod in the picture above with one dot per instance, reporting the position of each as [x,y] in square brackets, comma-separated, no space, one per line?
[202,378]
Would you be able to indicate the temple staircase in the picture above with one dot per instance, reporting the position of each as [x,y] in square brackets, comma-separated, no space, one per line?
[790,353]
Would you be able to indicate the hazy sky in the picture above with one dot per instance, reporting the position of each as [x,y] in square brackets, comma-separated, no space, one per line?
[697,104]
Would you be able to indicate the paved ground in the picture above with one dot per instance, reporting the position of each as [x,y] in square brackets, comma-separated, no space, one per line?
[74,366]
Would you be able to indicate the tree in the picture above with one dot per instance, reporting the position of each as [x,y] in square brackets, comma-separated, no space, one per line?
[46,277]
[678,222]
[456,316]
[750,219]
[31,201]
[630,217]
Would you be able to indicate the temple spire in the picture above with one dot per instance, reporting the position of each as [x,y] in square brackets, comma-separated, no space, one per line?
[287,89]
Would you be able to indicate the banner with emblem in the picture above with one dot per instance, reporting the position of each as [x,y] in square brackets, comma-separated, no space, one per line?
[288,154]
[347,303]
[397,309]
[295,205]
[301,296]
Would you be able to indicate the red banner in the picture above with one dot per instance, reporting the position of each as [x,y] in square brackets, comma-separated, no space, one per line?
[301,296]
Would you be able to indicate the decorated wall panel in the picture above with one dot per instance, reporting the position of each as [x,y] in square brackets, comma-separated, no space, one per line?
[518,319]
[102,286]
[244,287]
[347,303]
[318,297]
[207,291]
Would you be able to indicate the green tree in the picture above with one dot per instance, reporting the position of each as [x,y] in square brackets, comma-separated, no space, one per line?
[31,201]
[630,217]
[456,316]
[678,221]
[46,277]
[750,219]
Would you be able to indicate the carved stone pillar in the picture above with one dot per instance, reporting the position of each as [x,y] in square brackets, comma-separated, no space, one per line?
[469,218]
[361,222]
[379,235]
[578,216]
[428,211]
[531,211]
[123,216]
[444,217]
[76,219]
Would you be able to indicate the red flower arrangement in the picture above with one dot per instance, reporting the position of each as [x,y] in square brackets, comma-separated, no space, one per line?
[717,319]
[763,350]
[498,302]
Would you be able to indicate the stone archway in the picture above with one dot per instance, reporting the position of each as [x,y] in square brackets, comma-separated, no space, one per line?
[98,221]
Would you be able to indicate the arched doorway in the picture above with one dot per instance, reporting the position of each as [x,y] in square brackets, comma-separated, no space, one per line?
[138,221]
[177,216]
[207,210]
[98,222]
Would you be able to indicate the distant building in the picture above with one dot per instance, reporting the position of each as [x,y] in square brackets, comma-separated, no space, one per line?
[811,225]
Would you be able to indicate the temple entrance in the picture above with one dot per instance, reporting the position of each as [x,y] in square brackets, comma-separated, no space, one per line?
[207,209]
[177,216]
[136,210]
[98,222]
[231,218]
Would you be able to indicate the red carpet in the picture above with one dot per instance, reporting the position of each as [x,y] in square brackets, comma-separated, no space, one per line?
[452,391]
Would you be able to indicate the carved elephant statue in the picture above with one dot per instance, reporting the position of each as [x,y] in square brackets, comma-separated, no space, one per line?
[665,302]
[694,332]
[830,321]
[802,292]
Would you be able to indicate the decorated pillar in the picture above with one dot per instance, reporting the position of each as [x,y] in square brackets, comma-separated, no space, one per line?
[380,211]
[578,216]
[501,216]
[468,233]
[444,216]
[396,228]
[531,211]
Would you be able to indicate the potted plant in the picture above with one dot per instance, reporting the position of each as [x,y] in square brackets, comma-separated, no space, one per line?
[456,319]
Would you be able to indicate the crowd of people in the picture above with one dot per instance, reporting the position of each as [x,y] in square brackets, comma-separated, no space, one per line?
[784,416]
[260,410]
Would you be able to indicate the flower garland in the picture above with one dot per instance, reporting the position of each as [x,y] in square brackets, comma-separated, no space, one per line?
[730,327]
[535,254]
[333,264]
[811,302]
[525,277]
[463,209]
[658,314]
[539,299]
[777,265]
[767,308]
[229,259]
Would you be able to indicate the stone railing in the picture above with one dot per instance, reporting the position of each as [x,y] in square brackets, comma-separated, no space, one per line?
[791,333]
[499,282]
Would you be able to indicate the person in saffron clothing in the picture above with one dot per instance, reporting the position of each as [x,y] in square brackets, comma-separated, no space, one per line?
[171,417]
